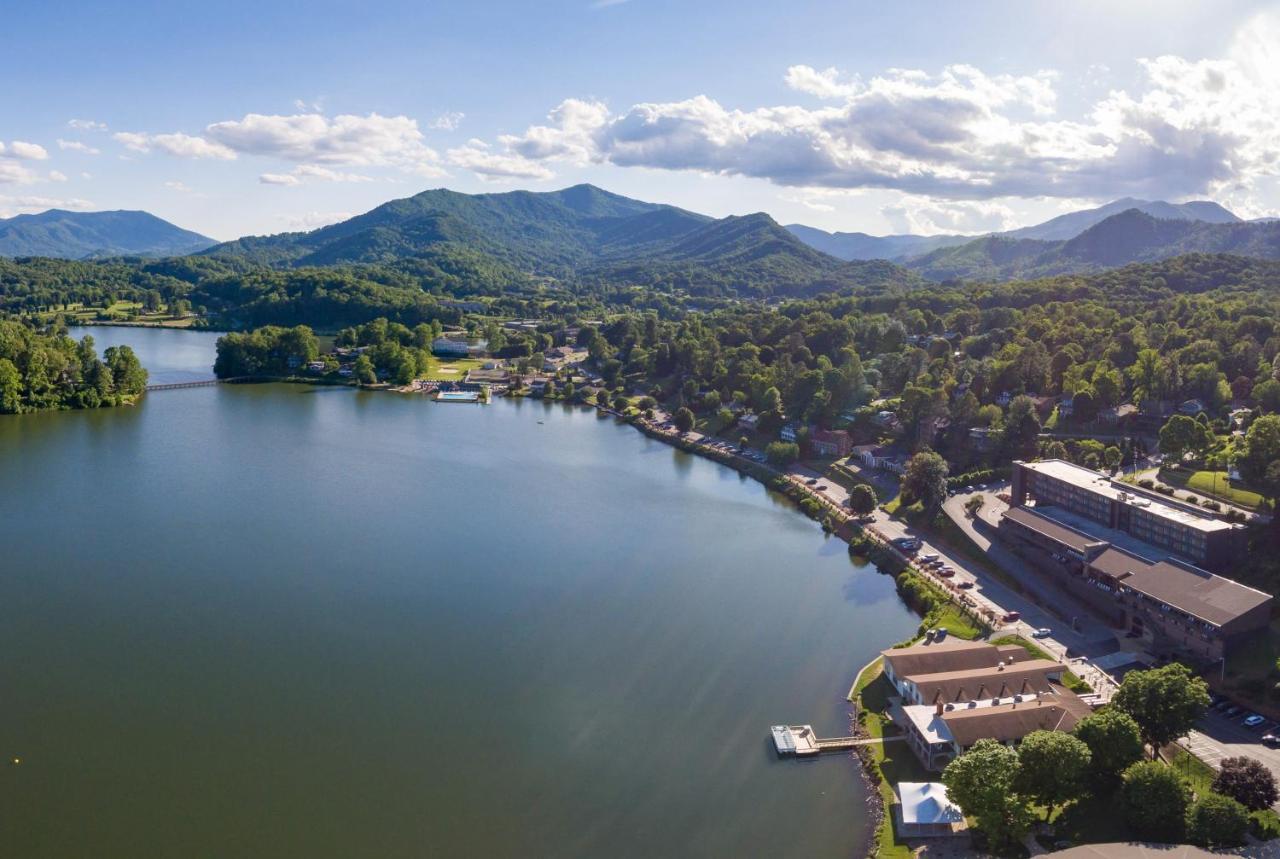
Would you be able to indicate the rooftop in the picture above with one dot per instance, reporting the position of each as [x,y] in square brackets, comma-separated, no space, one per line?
[927,802]
[950,654]
[1091,480]
[1013,721]
[1028,677]
[1189,589]
[1059,531]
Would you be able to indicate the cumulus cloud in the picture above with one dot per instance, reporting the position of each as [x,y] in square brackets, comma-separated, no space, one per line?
[448,121]
[176,144]
[313,220]
[175,185]
[76,146]
[13,173]
[479,158]
[372,140]
[1188,128]
[314,172]
[57,176]
[924,216]
[23,150]
[15,205]
[86,125]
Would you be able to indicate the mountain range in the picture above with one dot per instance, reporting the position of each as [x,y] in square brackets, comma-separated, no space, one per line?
[87,235]
[589,235]
[579,232]
[904,247]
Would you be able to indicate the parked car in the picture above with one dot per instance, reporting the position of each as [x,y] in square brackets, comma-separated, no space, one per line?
[966,584]
[1269,739]
[929,557]
[1253,720]
[1011,617]
[1233,711]
[946,572]
[1042,632]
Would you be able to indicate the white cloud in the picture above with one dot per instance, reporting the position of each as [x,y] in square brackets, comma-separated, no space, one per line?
[372,140]
[1189,128]
[57,176]
[25,151]
[923,216]
[304,172]
[824,84]
[180,187]
[313,220]
[448,121]
[13,173]
[477,157]
[10,206]
[86,125]
[176,144]
[76,146]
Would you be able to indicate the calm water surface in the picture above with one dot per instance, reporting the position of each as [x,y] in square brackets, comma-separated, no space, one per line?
[285,621]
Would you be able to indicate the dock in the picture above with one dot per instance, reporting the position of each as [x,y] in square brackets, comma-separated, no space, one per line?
[800,741]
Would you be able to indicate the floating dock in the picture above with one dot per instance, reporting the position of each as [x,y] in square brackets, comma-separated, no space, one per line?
[458,397]
[800,741]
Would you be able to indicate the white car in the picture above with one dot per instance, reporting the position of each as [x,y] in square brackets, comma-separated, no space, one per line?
[1042,632]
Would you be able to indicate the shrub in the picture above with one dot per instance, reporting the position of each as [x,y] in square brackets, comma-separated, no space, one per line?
[1217,821]
[1154,800]
[1147,483]
[1248,782]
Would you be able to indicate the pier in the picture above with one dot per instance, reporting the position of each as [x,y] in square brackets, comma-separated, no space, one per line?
[203,383]
[800,741]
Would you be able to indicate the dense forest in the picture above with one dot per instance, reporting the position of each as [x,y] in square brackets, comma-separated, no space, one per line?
[52,371]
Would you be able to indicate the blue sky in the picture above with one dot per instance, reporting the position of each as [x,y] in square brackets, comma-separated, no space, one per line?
[238,118]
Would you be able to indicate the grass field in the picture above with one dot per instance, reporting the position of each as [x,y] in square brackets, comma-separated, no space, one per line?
[452,369]
[1211,484]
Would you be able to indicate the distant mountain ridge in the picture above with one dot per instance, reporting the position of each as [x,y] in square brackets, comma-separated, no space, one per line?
[904,248]
[1131,236]
[87,235]
[577,232]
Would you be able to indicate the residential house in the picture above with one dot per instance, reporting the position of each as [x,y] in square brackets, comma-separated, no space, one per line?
[830,442]
[788,432]
[1066,406]
[749,421]
[1192,407]
[449,347]
[984,439]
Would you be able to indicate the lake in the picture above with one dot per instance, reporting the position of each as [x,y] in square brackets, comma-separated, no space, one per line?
[271,620]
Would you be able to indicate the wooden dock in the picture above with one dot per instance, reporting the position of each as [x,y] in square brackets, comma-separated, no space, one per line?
[203,383]
[800,741]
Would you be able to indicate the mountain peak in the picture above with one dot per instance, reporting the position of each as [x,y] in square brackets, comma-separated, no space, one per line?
[79,235]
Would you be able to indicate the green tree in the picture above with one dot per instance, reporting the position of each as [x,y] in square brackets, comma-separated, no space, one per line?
[1217,821]
[1052,770]
[925,480]
[10,388]
[1247,781]
[683,419]
[1114,741]
[782,453]
[1182,435]
[1165,702]
[1261,448]
[126,371]
[1154,801]
[982,782]
[862,499]
[364,371]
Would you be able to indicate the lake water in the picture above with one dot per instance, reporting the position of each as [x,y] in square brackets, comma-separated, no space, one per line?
[271,620]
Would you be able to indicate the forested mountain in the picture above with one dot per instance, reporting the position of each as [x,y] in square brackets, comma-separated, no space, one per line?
[1131,236]
[906,248]
[83,235]
[579,234]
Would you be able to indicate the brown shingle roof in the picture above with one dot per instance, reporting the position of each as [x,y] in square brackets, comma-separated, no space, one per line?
[1190,589]
[1030,676]
[950,654]
[1042,524]
[1012,722]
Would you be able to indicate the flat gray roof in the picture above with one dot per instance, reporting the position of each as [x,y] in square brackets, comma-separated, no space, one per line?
[1190,589]
[1085,478]
[1062,533]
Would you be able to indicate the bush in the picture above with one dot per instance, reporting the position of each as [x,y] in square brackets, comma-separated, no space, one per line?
[1210,505]
[1193,499]
[1164,490]
[1217,821]
[782,452]
[1248,782]
[1147,483]
[1154,800]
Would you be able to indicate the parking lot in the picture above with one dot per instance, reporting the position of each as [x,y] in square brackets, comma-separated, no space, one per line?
[1221,736]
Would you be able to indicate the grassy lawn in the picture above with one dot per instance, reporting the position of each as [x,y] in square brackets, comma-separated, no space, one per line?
[452,369]
[1211,484]
[895,761]
[1069,679]
[956,622]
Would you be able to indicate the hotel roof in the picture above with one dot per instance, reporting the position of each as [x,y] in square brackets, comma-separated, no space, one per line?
[1189,589]
[1059,531]
[1029,677]
[1134,496]
[1010,722]
[950,654]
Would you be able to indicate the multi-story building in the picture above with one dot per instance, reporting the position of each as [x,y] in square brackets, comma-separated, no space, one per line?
[1181,529]
[1177,606]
